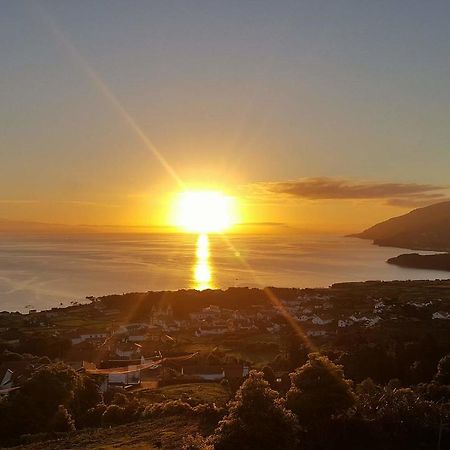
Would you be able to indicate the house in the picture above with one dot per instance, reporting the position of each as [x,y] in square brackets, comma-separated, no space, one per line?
[304,318]
[316,333]
[274,328]
[161,314]
[127,350]
[420,305]
[133,328]
[211,330]
[345,323]
[88,336]
[117,372]
[316,320]
[208,313]
[216,372]
[372,321]
[441,315]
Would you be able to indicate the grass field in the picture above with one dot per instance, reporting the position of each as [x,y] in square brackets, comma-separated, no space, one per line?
[165,433]
[198,392]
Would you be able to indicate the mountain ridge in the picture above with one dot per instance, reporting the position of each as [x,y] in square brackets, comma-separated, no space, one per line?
[426,228]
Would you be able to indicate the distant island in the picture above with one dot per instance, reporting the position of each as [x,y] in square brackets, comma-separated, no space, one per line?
[439,261]
[425,228]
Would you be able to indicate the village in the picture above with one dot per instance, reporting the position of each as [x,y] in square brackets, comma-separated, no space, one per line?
[209,344]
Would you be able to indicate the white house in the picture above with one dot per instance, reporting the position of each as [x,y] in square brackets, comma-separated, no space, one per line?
[316,320]
[89,336]
[372,321]
[210,330]
[274,328]
[131,377]
[316,333]
[441,315]
[304,318]
[132,328]
[345,323]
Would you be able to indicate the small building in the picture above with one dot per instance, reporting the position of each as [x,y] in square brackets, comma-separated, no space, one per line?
[88,336]
[117,372]
[216,372]
[316,333]
[441,315]
[345,323]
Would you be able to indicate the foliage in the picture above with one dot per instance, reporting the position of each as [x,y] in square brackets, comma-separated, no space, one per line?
[269,376]
[169,408]
[93,416]
[318,391]
[443,373]
[35,407]
[62,421]
[401,417]
[113,415]
[256,419]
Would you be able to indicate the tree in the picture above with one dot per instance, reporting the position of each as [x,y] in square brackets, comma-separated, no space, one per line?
[34,407]
[62,421]
[36,403]
[87,396]
[269,376]
[318,391]
[113,415]
[403,419]
[443,370]
[257,419]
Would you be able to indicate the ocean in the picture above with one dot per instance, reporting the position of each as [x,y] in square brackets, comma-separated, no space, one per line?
[40,271]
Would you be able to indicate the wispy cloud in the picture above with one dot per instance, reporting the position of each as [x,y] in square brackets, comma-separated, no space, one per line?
[59,202]
[18,202]
[87,203]
[326,188]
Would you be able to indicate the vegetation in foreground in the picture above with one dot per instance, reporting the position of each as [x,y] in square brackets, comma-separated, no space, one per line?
[380,385]
[317,408]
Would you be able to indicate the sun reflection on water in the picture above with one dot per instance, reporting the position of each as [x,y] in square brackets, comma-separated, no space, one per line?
[202,268]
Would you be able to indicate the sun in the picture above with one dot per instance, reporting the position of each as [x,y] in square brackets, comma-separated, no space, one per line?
[204,211]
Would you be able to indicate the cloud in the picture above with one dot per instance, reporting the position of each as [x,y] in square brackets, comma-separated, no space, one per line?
[18,202]
[325,188]
[60,202]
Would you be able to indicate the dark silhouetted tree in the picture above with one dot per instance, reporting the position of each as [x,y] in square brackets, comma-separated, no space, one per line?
[62,421]
[443,370]
[318,391]
[269,376]
[257,419]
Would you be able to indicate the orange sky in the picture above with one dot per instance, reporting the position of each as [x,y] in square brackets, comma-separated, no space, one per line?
[329,118]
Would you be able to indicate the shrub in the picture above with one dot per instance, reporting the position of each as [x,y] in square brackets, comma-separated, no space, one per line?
[169,408]
[93,417]
[256,419]
[62,421]
[113,415]
[318,391]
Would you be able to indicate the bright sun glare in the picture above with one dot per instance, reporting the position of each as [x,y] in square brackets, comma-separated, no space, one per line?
[204,211]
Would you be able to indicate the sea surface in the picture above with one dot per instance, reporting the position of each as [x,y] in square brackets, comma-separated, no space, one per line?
[40,271]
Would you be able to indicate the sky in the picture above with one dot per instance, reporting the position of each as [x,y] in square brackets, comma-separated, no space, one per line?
[330,115]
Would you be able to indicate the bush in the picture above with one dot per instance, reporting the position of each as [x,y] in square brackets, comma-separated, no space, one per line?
[318,391]
[209,413]
[62,421]
[169,408]
[256,419]
[196,442]
[443,373]
[113,415]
